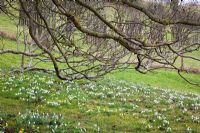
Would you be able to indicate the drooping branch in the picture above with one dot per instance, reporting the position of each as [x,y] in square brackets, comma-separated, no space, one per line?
[88,40]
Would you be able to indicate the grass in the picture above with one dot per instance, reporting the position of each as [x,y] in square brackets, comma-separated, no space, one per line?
[190,63]
[161,79]
[8,25]
[10,61]
[36,102]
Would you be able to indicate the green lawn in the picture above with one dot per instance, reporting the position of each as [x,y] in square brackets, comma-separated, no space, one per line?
[36,102]
[162,79]
[8,25]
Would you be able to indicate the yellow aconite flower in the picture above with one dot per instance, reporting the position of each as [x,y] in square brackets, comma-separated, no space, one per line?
[21,130]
